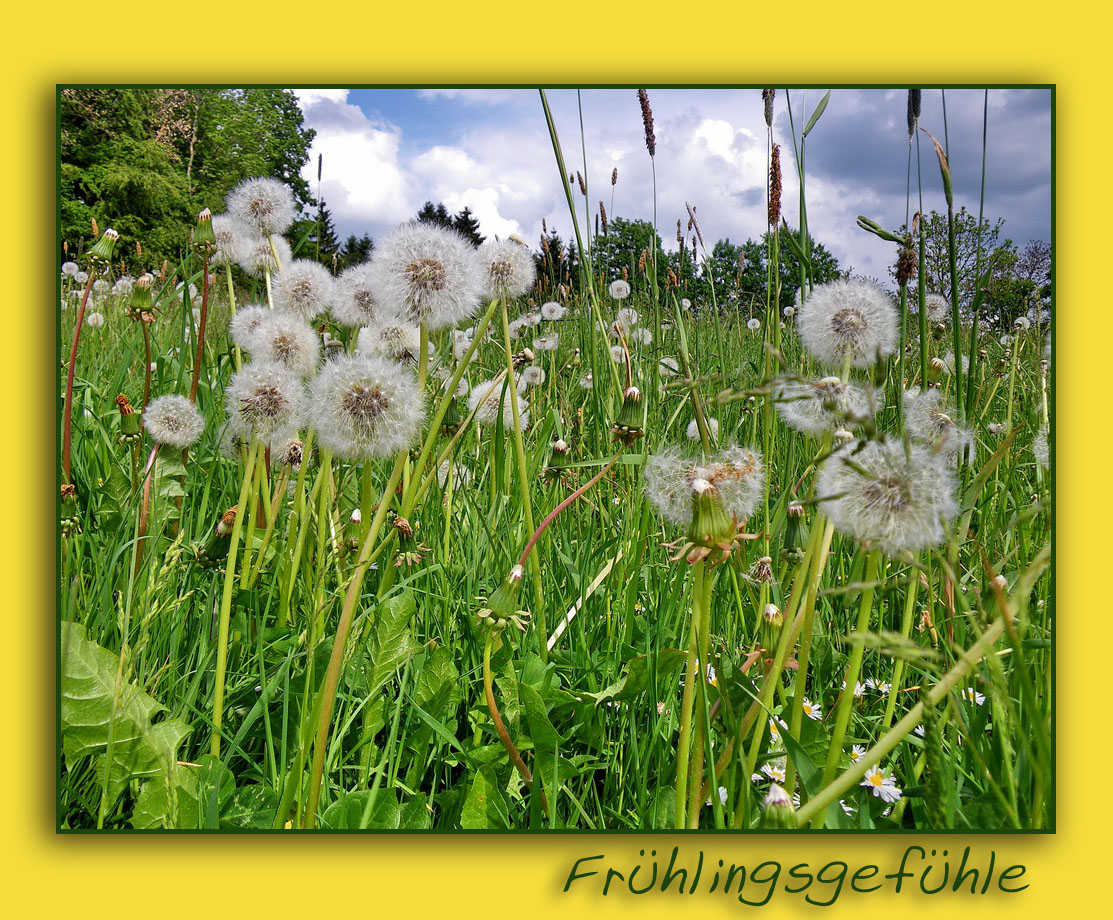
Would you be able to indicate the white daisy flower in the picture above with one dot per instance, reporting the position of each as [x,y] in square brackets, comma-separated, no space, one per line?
[883,787]
[856,753]
[972,695]
[811,710]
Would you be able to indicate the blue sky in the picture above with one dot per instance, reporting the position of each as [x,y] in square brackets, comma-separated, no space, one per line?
[387,151]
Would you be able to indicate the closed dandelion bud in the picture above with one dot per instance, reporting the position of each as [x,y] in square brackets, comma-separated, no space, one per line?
[215,548]
[349,541]
[711,525]
[129,421]
[142,305]
[101,253]
[68,510]
[204,240]
[796,532]
[452,419]
[410,551]
[777,810]
[772,620]
[935,369]
[630,424]
[502,609]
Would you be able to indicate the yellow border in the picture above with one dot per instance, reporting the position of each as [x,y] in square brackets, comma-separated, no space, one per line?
[454,42]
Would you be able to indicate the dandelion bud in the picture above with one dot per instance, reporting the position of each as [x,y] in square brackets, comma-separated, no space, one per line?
[778,812]
[630,424]
[215,548]
[522,358]
[796,532]
[291,453]
[502,608]
[204,239]
[762,570]
[68,510]
[711,524]
[129,421]
[772,620]
[452,419]
[101,253]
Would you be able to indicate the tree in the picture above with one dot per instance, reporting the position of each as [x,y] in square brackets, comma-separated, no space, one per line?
[319,236]
[434,214]
[355,251]
[468,226]
[622,247]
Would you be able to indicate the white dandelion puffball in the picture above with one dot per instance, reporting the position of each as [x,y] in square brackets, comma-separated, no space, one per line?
[928,422]
[517,327]
[641,336]
[123,285]
[487,396]
[753,324]
[508,268]
[286,340]
[257,257]
[587,381]
[366,406]
[848,317]
[533,318]
[390,338]
[669,367]
[619,289]
[937,308]
[685,303]
[789,312]
[244,325]
[815,407]
[626,319]
[101,287]
[532,376]
[461,475]
[618,354]
[1041,449]
[70,268]
[900,502]
[231,235]
[262,399]
[173,420]
[553,311]
[266,205]
[94,320]
[547,342]
[354,302]
[1022,323]
[712,429]
[304,288]
[81,277]
[430,274]
[672,478]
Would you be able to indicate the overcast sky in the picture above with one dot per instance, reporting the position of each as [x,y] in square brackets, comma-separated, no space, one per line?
[387,151]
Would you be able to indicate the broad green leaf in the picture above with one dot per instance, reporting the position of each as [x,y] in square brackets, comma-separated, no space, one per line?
[484,807]
[93,714]
[346,813]
[436,692]
[636,678]
[390,645]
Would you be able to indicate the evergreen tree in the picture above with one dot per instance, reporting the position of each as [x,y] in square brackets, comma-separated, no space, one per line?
[434,214]
[355,251]
[468,226]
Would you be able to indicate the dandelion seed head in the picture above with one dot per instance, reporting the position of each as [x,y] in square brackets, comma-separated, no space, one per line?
[900,502]
[692,430]
[429,274]
[937,307]
[553,311]
[286,340]
[264,398]
[508,267]
[641,336]
[547,342]
[264,204]
[587,381]
[70,269]
[391,338]
[173,420]
[619,289]
[304,288]
[256,257]
[366,406]
[927,421]
[245,323]
[231,235]
[753,324]
[672,477]
[848,317]
[669,367]
[816,407]
[532,376]
[94,320]
[1040,449]
[618,354]
[485,400]
[626,319]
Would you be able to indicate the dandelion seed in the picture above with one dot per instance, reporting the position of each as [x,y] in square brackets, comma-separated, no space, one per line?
[508,267]
[553,311]
[173,420]
[393,339]
[257,257]
[928,423]
[366,406]
[262,399]
[1040,449]
[882,786]
[821,406]
[94,320]
[304,288]
[486,398]
[692,431]
[848,317]
[231,236]
[286,340]
[736,474]
[430,274]
[899,501]
[532,376]
[586,381]
[264,204]
[619,289]
[753,324]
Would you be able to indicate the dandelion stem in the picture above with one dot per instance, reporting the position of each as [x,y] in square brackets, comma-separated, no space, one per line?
[67,411]
[684,740]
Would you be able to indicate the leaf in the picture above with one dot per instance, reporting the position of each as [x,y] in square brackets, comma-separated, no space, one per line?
[636,678]
[816,113]
[346,813]
[391,645]
[436,692]
[484,807]
[546,739]
[92,715]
